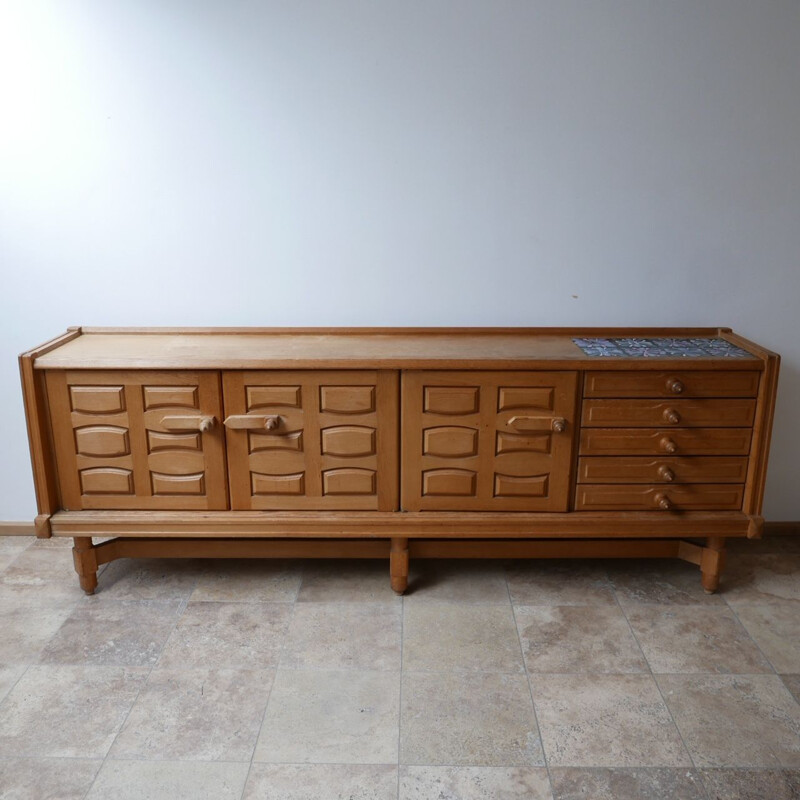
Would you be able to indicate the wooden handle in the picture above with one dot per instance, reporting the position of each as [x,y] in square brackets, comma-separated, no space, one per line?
[672,416]
[252,422]
[665,473]
[668,445]
[555,424]
[189,422]
[675,386]
[663,502]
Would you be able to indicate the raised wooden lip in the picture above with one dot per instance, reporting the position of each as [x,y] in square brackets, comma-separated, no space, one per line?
[556,361]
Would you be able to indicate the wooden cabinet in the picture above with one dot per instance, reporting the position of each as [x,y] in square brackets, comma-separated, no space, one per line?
[487,440]
[399,442]
[312,440]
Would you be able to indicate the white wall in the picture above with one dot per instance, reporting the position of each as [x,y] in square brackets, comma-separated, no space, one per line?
[515,162]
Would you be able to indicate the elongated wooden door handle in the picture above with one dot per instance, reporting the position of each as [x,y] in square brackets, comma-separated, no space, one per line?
[672,416]
[252,422]
[665,473]
[555,424]
[675,386]
[668,445]
[663,502]
[189,422]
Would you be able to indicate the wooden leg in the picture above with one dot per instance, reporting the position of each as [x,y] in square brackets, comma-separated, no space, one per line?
[85,558]
[711,563]
[398,564]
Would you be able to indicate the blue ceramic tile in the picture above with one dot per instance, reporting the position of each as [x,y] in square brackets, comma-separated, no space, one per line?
[661,347]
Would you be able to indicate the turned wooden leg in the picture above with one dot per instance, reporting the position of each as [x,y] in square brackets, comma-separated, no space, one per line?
[85,559]
[398,564]
[712,562]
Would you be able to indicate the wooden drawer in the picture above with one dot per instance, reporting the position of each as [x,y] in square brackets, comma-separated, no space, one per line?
[647,497]
[665,441]
[671,470]
[701,413]
[671,384]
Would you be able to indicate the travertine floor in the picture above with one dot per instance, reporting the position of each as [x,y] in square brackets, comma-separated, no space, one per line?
[287,680]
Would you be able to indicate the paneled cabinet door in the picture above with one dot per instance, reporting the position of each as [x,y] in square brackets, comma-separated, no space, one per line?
[138,439]
[312,439]
[486,441]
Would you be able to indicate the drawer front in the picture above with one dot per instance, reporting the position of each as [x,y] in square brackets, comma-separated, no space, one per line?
[646,497]
[312,440]
[671,384]
[485,441]
[138,440]
[631,412]
[670,470]
[665,441]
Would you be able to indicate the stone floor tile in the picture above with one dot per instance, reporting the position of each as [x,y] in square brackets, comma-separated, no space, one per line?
[25,628]
[626,784]
[605,721]
[762,579]
[196,715]
[449,637]
[480,719]
[9,675]
[46,575]
[67,711]
[333,716]
[251,580]
[751,784]
[735,720]
[695,639]
[227,635]
[559,583]
[149,579]
[346,581]
[456,581]
[113,633]
[577,639]
[474,783]
[169,780]
[322,782]
[17,543]
[775,628]
[792,683]
[47,778]
[344,636]
[659,581]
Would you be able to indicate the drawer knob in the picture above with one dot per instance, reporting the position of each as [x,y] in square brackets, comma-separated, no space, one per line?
[668,445]
[663,502]
[272,422]
[665,473]
[559,424]
[675,386]
[672,416]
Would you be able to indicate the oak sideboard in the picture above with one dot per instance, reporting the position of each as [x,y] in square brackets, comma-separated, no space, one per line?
[398,443]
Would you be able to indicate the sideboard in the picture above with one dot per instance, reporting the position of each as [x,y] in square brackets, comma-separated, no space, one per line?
[398,443]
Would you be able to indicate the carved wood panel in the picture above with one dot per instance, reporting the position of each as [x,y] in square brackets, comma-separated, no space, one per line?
[116,447]
[334,444]
[487,440]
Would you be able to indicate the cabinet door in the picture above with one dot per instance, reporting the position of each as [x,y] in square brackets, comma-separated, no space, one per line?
[485,441]
[312,439]
[138,439]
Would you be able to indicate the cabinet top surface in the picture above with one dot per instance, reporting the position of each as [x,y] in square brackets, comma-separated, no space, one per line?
[399,348]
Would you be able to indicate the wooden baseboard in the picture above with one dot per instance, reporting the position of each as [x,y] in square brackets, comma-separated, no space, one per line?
[788,528]
[17,529]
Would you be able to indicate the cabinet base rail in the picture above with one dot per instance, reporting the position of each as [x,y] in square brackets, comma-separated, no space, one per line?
[88,557]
